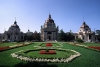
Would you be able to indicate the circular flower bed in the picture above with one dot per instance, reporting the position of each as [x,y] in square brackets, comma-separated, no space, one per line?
[62,55]
[47,52]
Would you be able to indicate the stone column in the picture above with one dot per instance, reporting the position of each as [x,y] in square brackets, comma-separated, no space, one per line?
[52,36]
[43,36]
[75,36]
[46,35]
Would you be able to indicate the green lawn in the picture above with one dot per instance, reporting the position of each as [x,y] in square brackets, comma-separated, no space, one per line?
[91,44]
[59,54]
[8,44]
[88,58]
[53,44]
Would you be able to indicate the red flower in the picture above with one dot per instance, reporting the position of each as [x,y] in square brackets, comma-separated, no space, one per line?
[48,44]
[49,52]
[4,48]
[95,47]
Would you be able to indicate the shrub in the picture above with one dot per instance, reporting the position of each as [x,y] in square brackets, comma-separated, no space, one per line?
[79,40]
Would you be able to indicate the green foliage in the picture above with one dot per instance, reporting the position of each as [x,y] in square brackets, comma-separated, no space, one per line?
[61,35]
[69,36]
[79,40]
[98,36]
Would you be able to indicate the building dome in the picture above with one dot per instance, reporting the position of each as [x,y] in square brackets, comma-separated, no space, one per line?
[49,20]
[29,33]
[84,25]
[15,25]
[84,28]
[14,28]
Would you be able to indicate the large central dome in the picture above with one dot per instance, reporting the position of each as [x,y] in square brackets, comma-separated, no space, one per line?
[49,20]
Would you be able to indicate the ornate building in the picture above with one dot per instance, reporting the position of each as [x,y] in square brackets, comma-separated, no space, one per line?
[49,31]
[85,33]
[13,33]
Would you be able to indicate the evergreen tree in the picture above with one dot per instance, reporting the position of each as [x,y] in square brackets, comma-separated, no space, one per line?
[61,35]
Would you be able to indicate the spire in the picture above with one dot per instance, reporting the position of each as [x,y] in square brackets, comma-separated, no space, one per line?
[83,19]
[15,21]
[94,30]
[28,29]
[49,15]
[15,18]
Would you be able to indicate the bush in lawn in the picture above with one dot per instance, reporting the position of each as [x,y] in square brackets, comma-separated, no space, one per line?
[79,40]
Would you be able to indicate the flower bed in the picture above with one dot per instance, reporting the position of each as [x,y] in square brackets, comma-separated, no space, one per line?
[95,47]
[4,48]
[48,44]
[47,52]
[24,57]
[12,47]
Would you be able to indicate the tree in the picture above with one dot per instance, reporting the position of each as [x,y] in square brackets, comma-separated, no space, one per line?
[37,36]
[28,37]
[69,36]
[79,40]
[61,35]
[98,36]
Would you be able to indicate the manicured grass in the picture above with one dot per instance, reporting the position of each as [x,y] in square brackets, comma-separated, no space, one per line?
[7,60]
[8,44]
[88,58]
[91,44]
[59,54]
[53,44]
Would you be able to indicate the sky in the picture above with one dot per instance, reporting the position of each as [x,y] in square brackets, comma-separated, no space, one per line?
[67,14]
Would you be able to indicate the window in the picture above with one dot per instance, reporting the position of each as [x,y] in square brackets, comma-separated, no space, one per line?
[83,38]
[3,37]
[86,29]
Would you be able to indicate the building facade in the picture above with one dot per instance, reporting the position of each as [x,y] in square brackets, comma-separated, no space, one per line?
[49,31]
[86,34]
[13,33]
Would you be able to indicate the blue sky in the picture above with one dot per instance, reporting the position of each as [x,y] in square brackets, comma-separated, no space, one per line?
[67,14]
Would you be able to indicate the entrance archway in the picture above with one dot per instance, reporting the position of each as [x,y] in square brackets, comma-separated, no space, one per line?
[49,37]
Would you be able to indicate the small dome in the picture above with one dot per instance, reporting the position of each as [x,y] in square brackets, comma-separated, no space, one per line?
[84,25]
[29,32]
[15,25]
